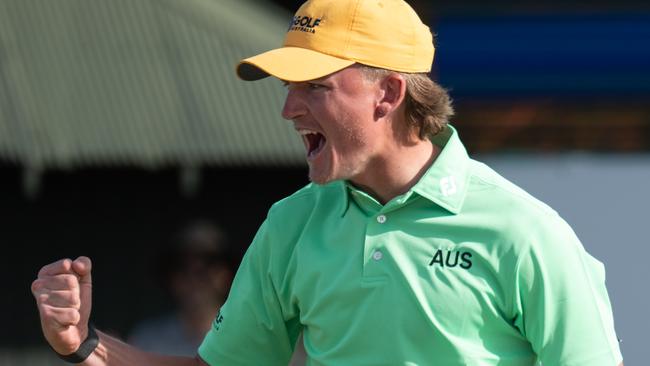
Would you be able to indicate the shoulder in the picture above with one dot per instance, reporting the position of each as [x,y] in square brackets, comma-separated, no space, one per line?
[531,241]
[312,198]
[516,214]
[290,217]
[485,181]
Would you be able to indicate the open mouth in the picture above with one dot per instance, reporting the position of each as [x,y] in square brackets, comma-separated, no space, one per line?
[314,142]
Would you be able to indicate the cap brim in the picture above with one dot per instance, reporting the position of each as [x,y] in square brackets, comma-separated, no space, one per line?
[290,64]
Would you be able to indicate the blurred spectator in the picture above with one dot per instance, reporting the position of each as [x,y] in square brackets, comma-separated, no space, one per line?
[196,270]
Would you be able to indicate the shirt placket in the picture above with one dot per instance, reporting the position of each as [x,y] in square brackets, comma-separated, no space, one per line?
[376,259]
[375,254]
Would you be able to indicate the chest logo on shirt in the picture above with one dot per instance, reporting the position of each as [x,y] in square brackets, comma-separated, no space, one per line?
[451,258]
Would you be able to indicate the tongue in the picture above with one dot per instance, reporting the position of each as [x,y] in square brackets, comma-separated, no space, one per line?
[316,143]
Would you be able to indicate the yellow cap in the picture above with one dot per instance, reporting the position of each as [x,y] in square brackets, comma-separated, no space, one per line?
[326,36]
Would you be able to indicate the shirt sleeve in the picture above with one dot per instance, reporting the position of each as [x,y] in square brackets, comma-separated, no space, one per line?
[252,327]
[562,304]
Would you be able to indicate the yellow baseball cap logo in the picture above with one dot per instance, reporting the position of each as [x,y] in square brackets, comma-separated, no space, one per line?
[304,24]
[326,36]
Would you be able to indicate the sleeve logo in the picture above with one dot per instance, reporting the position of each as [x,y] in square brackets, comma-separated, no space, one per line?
[217,321]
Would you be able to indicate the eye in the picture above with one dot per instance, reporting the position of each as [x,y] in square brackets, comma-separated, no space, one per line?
[314,86]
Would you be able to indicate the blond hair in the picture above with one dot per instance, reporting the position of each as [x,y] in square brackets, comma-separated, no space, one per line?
[427,104]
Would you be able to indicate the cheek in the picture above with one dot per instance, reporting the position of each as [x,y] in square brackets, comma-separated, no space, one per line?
[360,126]
[349,125]
[352,144]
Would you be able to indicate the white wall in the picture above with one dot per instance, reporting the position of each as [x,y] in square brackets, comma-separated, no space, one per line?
[606,199]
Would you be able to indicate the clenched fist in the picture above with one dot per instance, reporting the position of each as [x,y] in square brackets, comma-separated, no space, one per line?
[63,295]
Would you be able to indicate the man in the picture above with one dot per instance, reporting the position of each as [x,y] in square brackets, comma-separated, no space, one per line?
[403,251]
[196,270]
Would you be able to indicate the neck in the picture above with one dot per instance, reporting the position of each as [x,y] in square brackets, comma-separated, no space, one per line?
[398,170]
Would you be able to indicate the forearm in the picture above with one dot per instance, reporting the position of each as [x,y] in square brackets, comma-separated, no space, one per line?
[113,352]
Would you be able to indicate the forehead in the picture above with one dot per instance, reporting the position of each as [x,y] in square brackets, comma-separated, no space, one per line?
[350,73]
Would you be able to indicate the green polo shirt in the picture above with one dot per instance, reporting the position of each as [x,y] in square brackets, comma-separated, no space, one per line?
[463,269]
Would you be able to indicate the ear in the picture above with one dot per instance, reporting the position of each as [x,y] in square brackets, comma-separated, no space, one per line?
[393,91]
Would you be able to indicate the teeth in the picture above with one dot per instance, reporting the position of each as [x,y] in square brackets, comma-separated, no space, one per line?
[306,132]
[314,141]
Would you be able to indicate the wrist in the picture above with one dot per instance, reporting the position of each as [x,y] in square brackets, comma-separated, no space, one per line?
[85,349]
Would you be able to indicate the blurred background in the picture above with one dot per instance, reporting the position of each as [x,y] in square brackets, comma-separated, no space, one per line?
[122,120]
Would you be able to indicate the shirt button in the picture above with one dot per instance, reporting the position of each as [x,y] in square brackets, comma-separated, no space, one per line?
[381,219]
[377,255]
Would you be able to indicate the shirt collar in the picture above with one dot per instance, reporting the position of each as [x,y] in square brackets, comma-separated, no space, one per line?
[444,183]
[345,193]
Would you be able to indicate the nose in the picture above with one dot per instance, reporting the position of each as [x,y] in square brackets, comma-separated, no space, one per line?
[293,105]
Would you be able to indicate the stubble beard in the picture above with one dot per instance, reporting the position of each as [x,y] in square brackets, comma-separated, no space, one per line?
[347,170]
[343,164]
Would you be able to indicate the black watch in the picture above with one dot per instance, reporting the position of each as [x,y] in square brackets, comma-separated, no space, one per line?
[85,348]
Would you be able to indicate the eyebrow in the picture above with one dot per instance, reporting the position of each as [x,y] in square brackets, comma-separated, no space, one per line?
[319,80]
